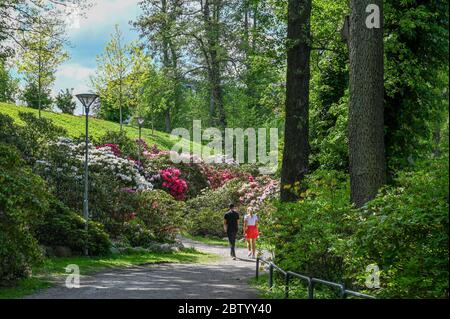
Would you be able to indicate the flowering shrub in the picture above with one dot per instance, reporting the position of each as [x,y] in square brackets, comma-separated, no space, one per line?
[101,159]
[153,152]
[113,181]
[127,146]
[114,148]
[219,174]
[256,191]
[171,180]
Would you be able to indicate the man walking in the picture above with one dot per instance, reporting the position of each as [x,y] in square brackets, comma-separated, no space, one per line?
[230,225]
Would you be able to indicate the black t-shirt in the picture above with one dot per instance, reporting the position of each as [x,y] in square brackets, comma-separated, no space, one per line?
[232,218]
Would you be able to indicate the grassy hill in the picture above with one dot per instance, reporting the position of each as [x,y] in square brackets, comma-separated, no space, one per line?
[75,125]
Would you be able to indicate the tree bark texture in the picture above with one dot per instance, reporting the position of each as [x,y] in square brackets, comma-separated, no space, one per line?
[296,143]
[366,123]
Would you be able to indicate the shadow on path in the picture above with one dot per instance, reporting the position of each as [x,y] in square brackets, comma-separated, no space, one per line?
[225,278]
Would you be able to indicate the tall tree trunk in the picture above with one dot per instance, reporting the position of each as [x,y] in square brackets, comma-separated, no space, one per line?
[166,64]
[255,25]
[40,75]
[120,103]
[366,123]
[211,14]
[168,121]
[296,144]
[166,58]
[177,82]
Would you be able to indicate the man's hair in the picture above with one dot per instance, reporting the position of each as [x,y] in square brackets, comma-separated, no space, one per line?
[231,206]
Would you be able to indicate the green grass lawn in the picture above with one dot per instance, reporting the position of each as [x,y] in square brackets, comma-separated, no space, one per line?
[54,268]
[75,126]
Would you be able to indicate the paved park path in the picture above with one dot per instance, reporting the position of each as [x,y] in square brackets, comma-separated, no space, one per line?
[224,278]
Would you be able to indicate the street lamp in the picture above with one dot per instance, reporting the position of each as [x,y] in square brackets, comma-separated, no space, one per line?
[140,121]
[87,100]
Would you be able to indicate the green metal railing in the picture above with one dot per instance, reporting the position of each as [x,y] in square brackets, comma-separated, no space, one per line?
[310,281]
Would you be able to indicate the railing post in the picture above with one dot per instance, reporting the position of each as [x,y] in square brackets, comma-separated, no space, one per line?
[257,268]
[270,276]
[286,286]
[310,289]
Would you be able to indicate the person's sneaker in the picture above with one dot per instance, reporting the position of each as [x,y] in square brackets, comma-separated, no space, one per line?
[249,254]
[234,258]
[253,256]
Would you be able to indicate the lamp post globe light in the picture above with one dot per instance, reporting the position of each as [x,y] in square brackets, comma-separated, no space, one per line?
[87,100]
[140,121]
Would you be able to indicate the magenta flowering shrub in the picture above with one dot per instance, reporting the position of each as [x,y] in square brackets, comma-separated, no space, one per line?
[171,181]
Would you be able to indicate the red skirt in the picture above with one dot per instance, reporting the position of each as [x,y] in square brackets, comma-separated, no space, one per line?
[251,232]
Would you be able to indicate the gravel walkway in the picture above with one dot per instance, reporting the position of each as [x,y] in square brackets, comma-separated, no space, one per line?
[224,278]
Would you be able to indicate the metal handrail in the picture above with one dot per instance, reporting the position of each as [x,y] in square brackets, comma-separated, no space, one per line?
[311,281]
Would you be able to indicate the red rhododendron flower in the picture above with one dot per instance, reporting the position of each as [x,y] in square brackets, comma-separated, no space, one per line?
[171,180]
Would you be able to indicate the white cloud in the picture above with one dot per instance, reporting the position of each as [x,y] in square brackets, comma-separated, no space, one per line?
[106,13]
[73,75]
[88,36]
[75,72]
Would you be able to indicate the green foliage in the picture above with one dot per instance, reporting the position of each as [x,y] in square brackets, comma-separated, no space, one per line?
[303,234]
[8,131]
[40,54]
[31,139]
[205,212]
[121,70]
[31,97]
[64,101]
[329,141]
[63,227]
[36,134]
[136,234]
[127,146]
[405,231]
[161,214]
[194,177]
[8,85]
[416,73]
[207,222]
[23,200]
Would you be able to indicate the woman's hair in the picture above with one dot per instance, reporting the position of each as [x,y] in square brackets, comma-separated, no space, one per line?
[250,210]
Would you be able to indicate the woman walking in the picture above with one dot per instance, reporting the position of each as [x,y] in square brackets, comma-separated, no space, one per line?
[251,231]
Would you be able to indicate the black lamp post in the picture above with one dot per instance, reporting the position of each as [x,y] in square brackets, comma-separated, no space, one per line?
[87,100]
[140,121]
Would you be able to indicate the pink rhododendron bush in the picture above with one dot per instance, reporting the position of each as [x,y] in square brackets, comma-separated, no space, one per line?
[139,201]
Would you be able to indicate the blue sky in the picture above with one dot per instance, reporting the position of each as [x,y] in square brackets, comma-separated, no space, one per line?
[89,38]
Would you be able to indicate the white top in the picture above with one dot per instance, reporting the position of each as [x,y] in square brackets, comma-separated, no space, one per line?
[251,220]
